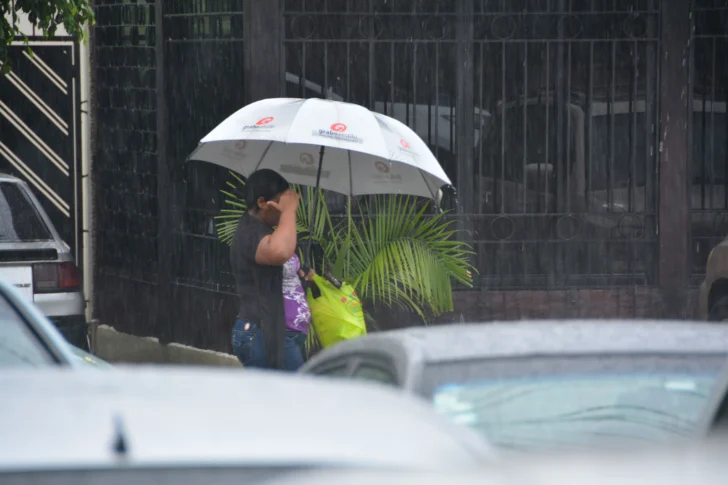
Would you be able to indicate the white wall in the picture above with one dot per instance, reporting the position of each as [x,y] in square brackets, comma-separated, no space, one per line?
[22,22]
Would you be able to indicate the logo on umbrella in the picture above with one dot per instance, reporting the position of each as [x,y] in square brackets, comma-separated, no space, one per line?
[381,166]
[338,127]
[306,158]
[240,145]
[264,121]
[404,143]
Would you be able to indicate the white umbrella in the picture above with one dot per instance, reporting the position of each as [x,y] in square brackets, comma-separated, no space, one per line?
[359,152]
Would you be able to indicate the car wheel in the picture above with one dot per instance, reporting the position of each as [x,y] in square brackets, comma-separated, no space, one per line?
[719,310]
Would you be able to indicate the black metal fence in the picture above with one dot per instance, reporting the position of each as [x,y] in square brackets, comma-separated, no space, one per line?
[709,164]
[544,113]
[125,165]
[559,129]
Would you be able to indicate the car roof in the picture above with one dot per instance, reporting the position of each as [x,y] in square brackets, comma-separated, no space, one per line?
[8,177]
[55,419]
[521,338]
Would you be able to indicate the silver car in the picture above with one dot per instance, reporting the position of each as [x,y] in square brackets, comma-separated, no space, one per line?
[35,260]
[548,385]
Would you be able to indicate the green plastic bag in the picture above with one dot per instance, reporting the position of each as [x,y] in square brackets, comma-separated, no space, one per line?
[336,314]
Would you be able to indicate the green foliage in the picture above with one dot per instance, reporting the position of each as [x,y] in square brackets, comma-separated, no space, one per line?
[392,253]
[46,16]
[399,255]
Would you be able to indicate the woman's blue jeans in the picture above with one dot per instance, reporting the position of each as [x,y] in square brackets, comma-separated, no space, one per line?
[249,348]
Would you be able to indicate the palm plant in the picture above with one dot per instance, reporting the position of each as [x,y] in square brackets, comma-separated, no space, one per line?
[392,252]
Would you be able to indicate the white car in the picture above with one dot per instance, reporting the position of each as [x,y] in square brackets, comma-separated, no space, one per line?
[35,260]
[186,417]
[29,340]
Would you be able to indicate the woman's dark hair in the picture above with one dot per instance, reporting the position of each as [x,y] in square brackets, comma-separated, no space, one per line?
[263,183]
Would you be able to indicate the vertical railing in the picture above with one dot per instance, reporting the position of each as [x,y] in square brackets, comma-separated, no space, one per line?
[566,171]
[708,176]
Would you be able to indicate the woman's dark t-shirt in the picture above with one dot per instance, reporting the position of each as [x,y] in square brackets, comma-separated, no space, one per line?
[260,287]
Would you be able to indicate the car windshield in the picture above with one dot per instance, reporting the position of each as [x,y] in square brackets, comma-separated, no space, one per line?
[18,346]
[19,219]
[537,403]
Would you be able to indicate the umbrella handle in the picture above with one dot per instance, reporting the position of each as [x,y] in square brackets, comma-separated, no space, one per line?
[314,212]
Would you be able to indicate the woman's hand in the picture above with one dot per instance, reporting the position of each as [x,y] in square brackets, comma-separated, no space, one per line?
[288,201]
[308,276]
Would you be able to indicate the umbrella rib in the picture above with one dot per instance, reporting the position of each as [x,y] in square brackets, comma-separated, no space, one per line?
[270,144]
[426,184]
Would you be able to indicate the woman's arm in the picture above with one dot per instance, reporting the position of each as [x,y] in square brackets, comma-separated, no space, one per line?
[276,249]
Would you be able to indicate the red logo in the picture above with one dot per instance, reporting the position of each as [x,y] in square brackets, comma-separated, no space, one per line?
[240,145]
[381,166]
[404,143]
[306,158]
[264,121]
[338,127]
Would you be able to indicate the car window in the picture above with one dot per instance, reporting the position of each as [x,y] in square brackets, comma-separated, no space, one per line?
[537,403]
[19,218]
[19,347]
[368,371]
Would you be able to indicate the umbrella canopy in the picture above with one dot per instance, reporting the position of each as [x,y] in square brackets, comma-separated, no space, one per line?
[363,152]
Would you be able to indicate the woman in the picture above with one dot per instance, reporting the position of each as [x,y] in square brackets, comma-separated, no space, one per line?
[274,317]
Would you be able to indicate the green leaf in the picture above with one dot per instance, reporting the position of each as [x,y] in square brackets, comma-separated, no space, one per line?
[46,16]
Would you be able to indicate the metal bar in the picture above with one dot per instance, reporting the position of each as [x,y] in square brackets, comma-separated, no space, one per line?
[653,135]
[524,126]
[503,113]
[589,131]
[632,140]
[429,109]
[478,209]
[568,129]
[437,95]
[372,70]
[610,130]
[391,78]
[464,101]
[546,126]
[712,125]
[414,87]
[326,71]
[165,243]
[348,72]
[673,200]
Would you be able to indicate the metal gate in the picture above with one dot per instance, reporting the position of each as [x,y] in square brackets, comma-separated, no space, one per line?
[709,163]
[39,123]
[543,113]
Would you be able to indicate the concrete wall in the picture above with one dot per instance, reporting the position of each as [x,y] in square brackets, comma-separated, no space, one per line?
[114,346]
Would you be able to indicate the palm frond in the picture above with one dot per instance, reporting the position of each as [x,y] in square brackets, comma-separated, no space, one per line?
[393,253]
[235,207]
[401,256]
